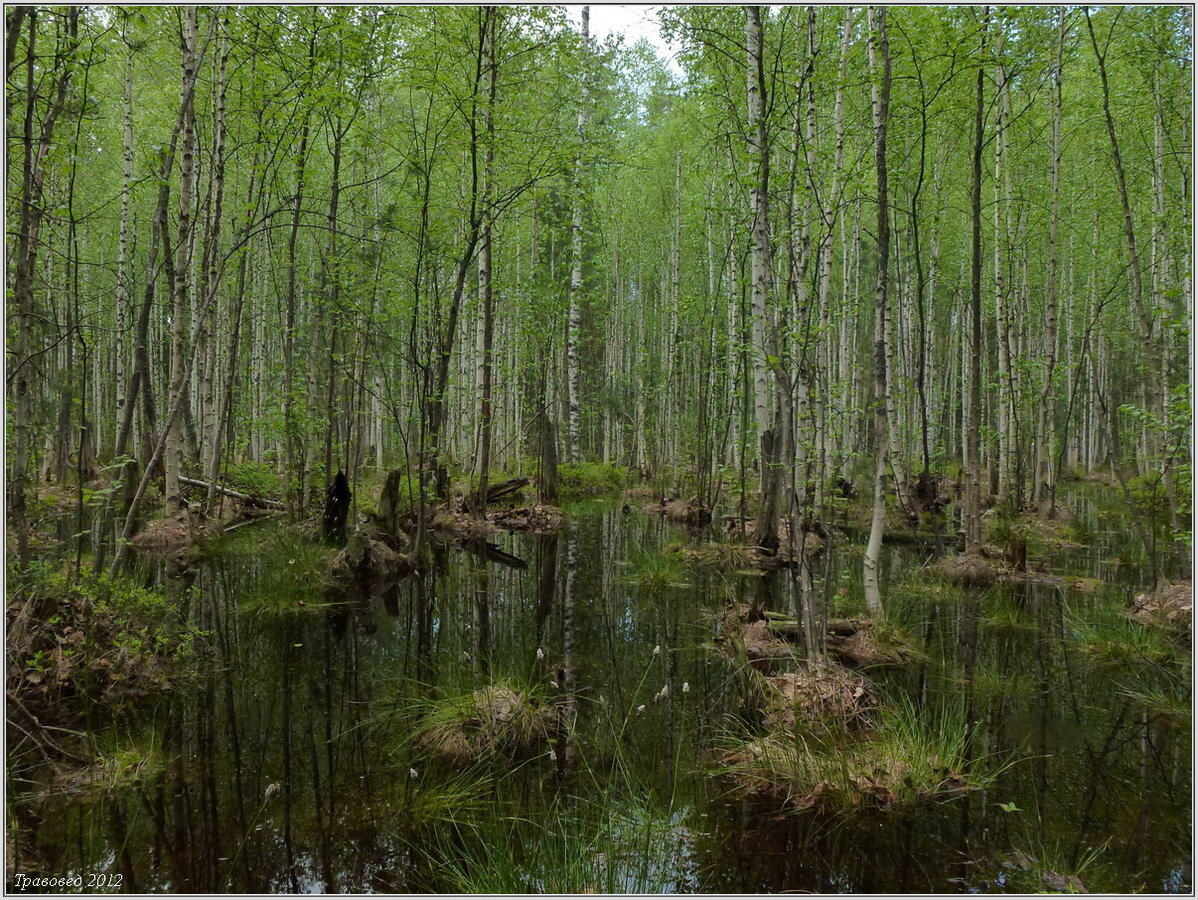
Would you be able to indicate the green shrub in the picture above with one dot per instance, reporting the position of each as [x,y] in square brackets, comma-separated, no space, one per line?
[255,479]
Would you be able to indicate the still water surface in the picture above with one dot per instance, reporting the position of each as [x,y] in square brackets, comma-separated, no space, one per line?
[289,764]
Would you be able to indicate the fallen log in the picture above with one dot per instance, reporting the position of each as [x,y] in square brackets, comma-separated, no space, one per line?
[495,491]
[229,492]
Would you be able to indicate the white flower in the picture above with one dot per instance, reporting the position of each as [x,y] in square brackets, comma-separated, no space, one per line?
[686,687]
[663,693]
[271,789]
[552,755]
[540,655]
[412,773]
[657,650]
[553,684]
[640,709]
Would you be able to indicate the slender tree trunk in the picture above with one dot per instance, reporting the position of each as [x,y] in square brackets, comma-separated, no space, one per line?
[770,439]
[1043,488]
[33,175]
[174,455]
[1144,316]
[759,210]
[291,440]
[574,326]
[973,491]
[485,279]
[880,92]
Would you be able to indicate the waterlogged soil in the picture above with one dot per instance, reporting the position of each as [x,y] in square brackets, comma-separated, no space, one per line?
[289,762]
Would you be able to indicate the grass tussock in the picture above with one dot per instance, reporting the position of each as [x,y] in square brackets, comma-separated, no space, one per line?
[111,772]
[656,573]
[293,576]
[493,720]
[718,557]
[967,570]
[819,693]
[880,643]
[590,479]
[1109,641]
[910,758]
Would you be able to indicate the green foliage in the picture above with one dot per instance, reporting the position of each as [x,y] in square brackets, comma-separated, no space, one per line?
[590,478]
[104,640]
[501,718]
[1108,640]
[255,479]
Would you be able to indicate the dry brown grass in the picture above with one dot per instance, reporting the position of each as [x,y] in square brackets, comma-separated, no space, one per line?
[1171,605]
[819,693]
[968,569]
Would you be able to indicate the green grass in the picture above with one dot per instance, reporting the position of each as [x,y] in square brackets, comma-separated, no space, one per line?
[1107,639]
[292,576]
[912,757]
[720,557]
[609,845]
[1003,612]
[1037,866]
[656,572]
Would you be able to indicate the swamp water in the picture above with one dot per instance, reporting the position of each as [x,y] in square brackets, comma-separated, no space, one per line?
[290,762]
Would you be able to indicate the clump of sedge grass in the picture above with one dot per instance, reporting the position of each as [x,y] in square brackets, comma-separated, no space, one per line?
[292,576]
[1109,640]
[494,719]
[910,759]
[656,573]
[718,557]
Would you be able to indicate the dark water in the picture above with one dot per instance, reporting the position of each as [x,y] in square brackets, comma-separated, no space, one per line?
[288,763]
